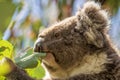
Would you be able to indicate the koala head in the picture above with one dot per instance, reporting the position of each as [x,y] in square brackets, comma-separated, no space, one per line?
[68,41]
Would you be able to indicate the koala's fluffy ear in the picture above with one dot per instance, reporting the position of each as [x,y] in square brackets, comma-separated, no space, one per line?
[91,21]
[97,16]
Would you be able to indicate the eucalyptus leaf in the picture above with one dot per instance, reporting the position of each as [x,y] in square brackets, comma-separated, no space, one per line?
[6,49]
[30,61]
[6,66]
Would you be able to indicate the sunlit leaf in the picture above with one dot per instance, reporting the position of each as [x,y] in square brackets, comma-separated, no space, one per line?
[2,78]
[5,66]
[6,49]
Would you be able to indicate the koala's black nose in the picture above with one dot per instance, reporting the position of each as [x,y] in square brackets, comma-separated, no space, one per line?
[38,46]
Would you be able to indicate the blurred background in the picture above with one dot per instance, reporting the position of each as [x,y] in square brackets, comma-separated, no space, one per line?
[21,20]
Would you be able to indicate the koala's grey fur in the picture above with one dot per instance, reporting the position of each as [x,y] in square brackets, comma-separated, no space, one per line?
[79,48]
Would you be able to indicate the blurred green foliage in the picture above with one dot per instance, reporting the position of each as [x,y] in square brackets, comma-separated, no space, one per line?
[37,72]
[7,9]
[113,5]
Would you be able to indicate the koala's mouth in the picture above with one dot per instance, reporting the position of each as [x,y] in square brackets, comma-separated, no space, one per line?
[40,49]
[49,57]
[43,50]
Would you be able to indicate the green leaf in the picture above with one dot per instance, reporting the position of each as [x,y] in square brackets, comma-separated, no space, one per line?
[29,58]
[6,49]
[37,72]
[5,66]
[30,61]
[27,62]
[2,78]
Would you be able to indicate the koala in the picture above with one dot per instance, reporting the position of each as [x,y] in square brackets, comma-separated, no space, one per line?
[79,48]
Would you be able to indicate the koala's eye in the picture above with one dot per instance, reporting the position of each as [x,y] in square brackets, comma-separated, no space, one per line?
[57,35]
[42,36]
